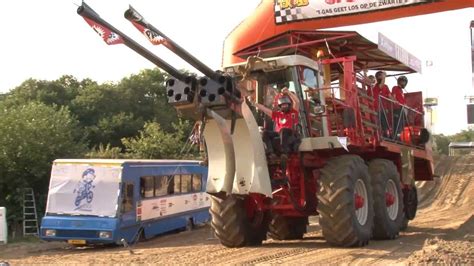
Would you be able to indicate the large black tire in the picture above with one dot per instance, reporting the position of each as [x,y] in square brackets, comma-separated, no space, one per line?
[410,201]
[387,220]
[231,224]
[404,224]
[287,228]
[341,223]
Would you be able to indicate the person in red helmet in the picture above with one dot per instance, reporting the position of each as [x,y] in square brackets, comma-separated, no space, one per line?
[285,119]
[381,89]
[397,94]
[397,91]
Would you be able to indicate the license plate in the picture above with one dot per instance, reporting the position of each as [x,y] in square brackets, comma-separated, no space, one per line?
[76,241]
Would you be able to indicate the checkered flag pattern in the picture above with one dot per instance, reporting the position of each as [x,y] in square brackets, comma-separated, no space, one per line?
[287,15]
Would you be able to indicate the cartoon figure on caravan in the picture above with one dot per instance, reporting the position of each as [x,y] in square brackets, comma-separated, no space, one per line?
[105,201]
[84,187]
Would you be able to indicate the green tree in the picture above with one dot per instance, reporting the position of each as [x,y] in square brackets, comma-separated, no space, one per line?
[155,143]
[464,136]
[110,112]
[441,143]
[106,112]
[32,136]
[105,152]
[58,92]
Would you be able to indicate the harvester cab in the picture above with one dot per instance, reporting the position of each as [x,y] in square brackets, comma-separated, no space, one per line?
[347,164]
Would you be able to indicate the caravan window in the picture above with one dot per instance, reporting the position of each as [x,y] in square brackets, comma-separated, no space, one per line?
[161,185]
[127,197]
[156,186]
[146,186]
[186,185]
[177,184]
[197,183]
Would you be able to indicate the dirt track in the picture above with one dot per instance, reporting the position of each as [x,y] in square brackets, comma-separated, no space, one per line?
[443,231]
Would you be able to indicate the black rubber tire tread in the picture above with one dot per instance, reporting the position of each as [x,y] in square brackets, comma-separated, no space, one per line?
[230,223]
[381,171]
[409,211]
[336,205]
[404,224]
[287,228]
[410,201]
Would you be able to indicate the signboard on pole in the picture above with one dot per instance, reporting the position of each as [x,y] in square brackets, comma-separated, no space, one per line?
[3,226]
[394,50]
[294,10]
[470,113]
[472,51]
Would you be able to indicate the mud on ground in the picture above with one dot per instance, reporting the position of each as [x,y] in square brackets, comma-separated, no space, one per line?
[442,232]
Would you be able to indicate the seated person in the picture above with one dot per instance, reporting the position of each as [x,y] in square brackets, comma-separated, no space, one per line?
[315,109]
[285,118]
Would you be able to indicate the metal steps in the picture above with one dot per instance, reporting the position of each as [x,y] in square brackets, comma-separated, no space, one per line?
[30,218]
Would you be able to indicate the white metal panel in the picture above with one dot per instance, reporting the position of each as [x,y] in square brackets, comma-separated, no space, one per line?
[251,170]
[220,152]
[83,189]
[322,143]
[3,226]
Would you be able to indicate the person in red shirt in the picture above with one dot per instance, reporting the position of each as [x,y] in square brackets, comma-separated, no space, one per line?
[370,83]
[285,118]
[397,94]
[381,89]
[397,91]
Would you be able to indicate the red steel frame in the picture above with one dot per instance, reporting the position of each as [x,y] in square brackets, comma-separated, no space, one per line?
[291,198]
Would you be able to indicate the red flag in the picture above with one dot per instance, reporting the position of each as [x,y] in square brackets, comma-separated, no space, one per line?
[152,36]
[106,34]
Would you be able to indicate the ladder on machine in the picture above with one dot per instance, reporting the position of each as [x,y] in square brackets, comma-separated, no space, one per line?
[30,218]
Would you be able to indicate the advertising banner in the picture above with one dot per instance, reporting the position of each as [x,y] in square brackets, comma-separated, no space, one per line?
[472,51]
[470,105]
[78,189]
[294,10]
[394,50]
[172,205]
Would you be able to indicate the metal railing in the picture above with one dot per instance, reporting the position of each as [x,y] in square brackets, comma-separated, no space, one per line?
[397,121]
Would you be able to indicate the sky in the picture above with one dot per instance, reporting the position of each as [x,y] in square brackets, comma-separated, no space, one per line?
[47,39]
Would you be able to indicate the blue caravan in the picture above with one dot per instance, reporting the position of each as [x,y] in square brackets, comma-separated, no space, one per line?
[105,201]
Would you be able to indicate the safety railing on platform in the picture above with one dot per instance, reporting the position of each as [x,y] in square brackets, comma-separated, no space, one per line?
[347,115]
[400,123]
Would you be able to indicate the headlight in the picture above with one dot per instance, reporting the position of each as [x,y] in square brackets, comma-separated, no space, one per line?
[105,234]
[319,109]
[49,232]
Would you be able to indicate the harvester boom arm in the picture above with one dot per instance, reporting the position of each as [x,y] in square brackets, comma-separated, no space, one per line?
[87,12]
[133,16]
[237,162]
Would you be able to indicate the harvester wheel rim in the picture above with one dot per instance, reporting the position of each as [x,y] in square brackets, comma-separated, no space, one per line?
[391,190]
[361,191]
